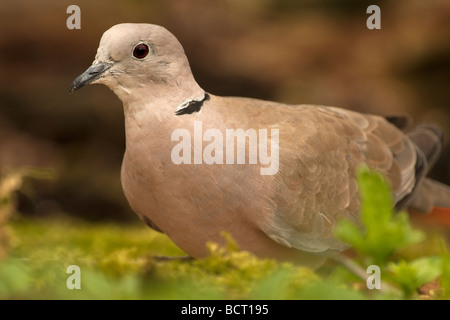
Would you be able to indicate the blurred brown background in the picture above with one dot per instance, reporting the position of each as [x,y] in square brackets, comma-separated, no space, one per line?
[293,51]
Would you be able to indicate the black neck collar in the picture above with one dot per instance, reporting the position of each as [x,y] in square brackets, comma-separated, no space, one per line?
[191,106]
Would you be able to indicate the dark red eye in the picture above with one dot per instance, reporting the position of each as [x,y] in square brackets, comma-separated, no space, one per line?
[141,51]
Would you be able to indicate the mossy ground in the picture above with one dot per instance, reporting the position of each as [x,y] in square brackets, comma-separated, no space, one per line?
[120,260]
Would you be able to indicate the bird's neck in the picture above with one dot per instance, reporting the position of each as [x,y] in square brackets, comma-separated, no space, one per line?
[155,112]
[160,100]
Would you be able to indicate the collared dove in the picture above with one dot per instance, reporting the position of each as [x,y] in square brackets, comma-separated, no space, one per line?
[288,213]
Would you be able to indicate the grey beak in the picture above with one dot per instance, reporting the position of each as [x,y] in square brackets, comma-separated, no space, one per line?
[93,73]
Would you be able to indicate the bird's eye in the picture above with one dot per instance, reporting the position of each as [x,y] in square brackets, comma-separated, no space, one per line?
[140,51]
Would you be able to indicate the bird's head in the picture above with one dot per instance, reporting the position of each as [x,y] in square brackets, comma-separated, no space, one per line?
[133,57]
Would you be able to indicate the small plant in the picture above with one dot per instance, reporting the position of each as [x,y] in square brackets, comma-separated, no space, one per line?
[10,182]
[8,185]
[384,234]
[13,278]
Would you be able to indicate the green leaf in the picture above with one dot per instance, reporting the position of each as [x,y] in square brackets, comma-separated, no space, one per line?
[382,231]
[410,276]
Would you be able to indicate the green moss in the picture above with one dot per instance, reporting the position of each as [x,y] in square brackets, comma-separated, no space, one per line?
[116,262]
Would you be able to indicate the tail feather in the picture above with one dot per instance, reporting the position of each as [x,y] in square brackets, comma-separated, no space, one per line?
[441,193]
[431,194]
[429,139]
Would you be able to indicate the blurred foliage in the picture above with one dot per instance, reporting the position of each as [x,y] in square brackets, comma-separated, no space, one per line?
[386,233]
[117,263]
[10,182]
[125,261]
